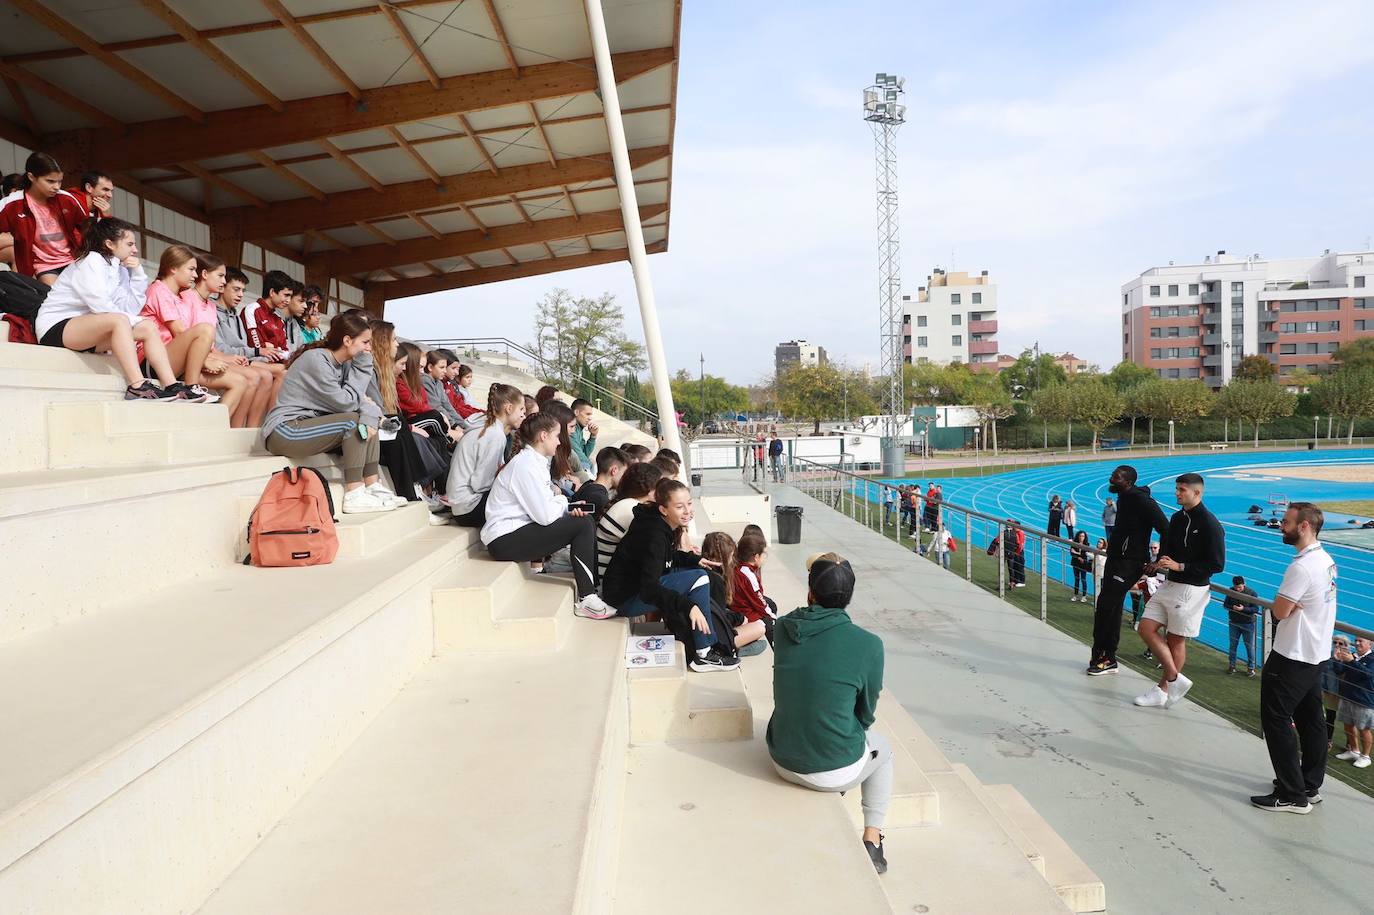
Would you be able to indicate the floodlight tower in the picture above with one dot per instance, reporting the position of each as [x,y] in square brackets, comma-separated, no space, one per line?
[884,112]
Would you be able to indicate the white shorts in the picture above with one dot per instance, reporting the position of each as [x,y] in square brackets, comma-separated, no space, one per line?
[1179,607]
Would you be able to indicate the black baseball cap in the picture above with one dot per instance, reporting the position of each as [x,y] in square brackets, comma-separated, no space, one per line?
[831,583]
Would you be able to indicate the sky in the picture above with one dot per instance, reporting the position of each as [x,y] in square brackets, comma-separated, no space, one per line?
[1065,147]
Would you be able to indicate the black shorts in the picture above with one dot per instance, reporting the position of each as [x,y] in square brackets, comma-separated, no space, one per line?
[56,271]
[54,336]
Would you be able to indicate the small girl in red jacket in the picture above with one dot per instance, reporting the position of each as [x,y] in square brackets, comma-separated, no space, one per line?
[748,597]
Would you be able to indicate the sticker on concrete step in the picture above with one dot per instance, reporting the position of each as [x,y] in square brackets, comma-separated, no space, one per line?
[649,651]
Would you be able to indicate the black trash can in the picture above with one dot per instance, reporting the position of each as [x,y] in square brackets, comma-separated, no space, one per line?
[789,523]
[696,479]
[1311,446]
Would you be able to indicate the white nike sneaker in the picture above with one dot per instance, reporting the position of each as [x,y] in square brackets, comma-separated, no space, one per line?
[1177,690]
[359,501]
[383,494]
[1155,698]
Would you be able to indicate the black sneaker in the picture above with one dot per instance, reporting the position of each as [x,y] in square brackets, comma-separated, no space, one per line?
[191,393]
[875,854]
[1276,804]
[1313,796]
[1250,672]
[713,661]
[1230,671]
[145,391]
[1103,666]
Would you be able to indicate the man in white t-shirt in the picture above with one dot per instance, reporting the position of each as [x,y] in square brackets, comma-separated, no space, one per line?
[1291,712]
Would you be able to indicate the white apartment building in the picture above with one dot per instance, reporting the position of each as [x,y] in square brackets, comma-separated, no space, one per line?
[797,353]
[953,318]
[1199,320]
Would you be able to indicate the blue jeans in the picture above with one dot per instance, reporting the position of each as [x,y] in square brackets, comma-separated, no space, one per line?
[1237,631]
[696,585]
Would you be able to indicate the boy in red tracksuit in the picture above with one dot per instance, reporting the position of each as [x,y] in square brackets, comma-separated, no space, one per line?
[265,328]
[747,596]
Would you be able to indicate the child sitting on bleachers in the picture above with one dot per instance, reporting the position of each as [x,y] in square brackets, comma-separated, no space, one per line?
[720,547]
[528,520]
[747,596]
[636,487]
[610,467]
[245,389]
[44,222]
[410,396]
[638,454]
[479,455]
[435,372]
[323,407]
[562,469]
[188,346]
[583,434]
[95,306]
[265,328]
[232,340]
[456,384]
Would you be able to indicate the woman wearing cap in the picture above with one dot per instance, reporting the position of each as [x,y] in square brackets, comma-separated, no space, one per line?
[827,674]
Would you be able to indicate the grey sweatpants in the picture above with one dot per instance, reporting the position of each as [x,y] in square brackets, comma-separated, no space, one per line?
[875,779]
[301,438]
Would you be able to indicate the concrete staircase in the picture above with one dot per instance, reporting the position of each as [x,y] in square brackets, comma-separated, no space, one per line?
[414,728]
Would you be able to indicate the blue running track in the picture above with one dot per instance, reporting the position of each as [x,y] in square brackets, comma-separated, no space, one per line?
[1235,481]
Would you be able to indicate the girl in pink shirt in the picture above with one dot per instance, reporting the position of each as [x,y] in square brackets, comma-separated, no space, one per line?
[245,387]
[188,345]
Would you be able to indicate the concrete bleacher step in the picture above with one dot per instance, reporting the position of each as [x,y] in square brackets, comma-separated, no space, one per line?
[27,357]
[1080,888]
[177,726]
[492,784]
[915,802]
[966,865]
[929,757]
[498,606]
[1007,824]
[697,808]
[676,704]
[28,386]
[91,434]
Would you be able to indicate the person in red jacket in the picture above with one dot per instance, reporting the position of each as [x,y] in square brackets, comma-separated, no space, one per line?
[747,596]
[456,386]
[95,194]
[265,328]
[44,221]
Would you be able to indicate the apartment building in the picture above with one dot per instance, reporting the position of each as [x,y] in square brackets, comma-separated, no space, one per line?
[953,318]
[1200,320]
[794,353]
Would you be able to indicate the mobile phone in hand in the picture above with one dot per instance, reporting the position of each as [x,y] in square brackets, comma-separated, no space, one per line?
[581,506]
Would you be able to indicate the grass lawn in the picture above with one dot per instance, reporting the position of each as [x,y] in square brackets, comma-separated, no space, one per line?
[1233,697]
[1362,507]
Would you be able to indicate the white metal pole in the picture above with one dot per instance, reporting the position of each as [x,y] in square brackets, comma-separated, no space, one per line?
[634,233]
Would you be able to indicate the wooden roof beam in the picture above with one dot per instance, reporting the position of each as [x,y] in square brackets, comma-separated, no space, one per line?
[219,58]
[423,285]
[59,25]
[403,32]
[342,208]
[543,135]
[379,234]
[60,95]
[224,184]
[343,158]
[481,146]
[473,241]
[312,47]
[501,38]
[425,224]
[420,160]
[152,143]
[22,103]
[282,171]
[567,198]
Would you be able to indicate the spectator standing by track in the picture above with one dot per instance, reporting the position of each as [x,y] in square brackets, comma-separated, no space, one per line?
[1056,516]
[1127,549]
[1109,516]
[1290,688]
[1240,624]
[1355,674]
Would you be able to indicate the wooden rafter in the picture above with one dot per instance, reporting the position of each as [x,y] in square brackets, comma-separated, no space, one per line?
[312,47]
[210,50]
[425,224]
[290,217]
[326,239]
[58,94]
[512,257]
[500,31]
[282,171]
[478,275]
[224,184]
[22,103]
[60,26]
[548,250]
[377,233]
[520,208]
[394,17]
[481,146]
[543,135]
[567,198]
[474,218]
[473,241]
[344,159]
[433,269]
[414,153]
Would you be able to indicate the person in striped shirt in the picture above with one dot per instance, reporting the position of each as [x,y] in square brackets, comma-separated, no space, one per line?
[636,486]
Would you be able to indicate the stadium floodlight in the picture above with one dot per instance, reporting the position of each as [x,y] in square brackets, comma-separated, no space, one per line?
[885,113]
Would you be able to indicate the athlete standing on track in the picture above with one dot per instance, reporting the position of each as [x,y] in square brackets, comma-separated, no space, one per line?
[1191,552]
[1128,548]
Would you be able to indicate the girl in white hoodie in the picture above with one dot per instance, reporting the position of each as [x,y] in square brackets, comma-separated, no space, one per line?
[528,519]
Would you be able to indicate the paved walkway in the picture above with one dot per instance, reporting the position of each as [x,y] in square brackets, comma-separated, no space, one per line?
[1155,801]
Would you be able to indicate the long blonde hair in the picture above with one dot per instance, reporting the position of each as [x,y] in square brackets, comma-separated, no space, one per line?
[384,362]
[720,547]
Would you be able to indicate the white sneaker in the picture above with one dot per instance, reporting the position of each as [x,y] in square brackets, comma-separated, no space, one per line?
[383,494]
[1349,755]
[1362,762]
[1177,690]
[439,519]
[359,501]
[1155,698]
[592,607]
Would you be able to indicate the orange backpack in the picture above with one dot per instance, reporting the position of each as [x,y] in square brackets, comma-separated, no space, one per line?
[293,522]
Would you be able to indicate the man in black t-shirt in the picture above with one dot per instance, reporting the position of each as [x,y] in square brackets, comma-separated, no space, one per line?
[610,467]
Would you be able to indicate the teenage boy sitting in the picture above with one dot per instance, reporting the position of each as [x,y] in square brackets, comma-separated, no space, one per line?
[293,318]
[230,337]
[611,463]
[827,674]
[265,329]
[584,434]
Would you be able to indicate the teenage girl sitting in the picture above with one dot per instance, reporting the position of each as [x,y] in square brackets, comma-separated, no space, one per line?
[479,455]
[528,519]
[322,407]
[44,222]
[747,596]
[188,347]
[411,398]
[636,487]
[562,470]
[720,547]
[95,305]
[456,387]
[648,574]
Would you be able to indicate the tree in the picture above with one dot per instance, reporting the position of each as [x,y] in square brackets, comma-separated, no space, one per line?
[633,393]
[1300,379]
[1051,405]
[571,334]
[721,397]
[991,402]
[1030,373]
[1096,404]
[1255,368]
[1177,400]
[1357,354]
[1127,375]
[927,384]
[817,392]
[1257,401]
[1347,393]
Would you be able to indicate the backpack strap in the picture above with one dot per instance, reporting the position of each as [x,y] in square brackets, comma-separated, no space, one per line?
[328,493]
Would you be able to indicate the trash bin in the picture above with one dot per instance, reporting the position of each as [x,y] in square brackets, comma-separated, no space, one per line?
[789,523]
[696,479]
[1311,446]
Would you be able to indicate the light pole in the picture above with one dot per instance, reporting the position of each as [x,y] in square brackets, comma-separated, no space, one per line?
[1171,436]
[702,382]
[1314,430]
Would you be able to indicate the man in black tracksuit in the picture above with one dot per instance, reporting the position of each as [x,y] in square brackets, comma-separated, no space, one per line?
[1128,549]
